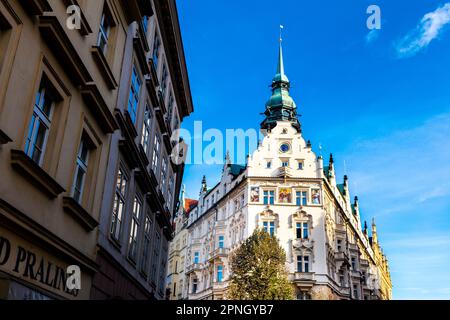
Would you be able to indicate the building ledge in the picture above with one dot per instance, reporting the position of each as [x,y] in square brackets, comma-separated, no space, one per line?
[85,27]
[79,213]
[4,139]
[99,108]
[36,7]
[56,38]
[136,9]
[153,74]
[104,67]
[140,48]
[31,170]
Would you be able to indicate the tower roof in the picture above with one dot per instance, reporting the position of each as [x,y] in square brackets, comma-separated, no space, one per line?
[280,106]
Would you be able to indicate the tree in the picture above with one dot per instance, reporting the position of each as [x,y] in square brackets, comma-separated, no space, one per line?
[258,270]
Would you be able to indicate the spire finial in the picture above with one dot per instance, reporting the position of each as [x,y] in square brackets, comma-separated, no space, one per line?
[281,33]
[280,76]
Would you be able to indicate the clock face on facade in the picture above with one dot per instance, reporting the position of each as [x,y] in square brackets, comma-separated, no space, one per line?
[284,147]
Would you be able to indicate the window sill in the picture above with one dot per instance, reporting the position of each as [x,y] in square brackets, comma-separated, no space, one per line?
[99,108]
[140,49]
[56,38]
[104,67]
[79,213]
[36,7]
[31,170]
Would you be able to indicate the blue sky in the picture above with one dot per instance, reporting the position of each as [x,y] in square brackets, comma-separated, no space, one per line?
[380,101]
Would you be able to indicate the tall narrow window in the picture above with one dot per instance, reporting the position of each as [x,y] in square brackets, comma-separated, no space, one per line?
[301,198]
[39,126]
[155,157]
[146,129]
[196,257]
[269,196]
[162,270]
[269,227]
[148,224]
[164,80]
[145,24]
[302,263]
[221,241]
[219,273]
[155,258]
[119,205]
[80,171]
[355,291]
[163,175]
[170,191]
[170,109]
[104,32]
[194,285]
[134,231]
[155,54]
[354,266]
[133,98]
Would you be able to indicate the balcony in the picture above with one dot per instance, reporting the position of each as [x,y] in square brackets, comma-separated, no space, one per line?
[340,228]
[219,253]
[220,285]
[303,280]
[356,274]
[345,291]
[193,267]
[201,295]
[303,276]
[220,224]
[342,256]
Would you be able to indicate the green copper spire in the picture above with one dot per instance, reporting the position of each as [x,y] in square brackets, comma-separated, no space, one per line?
[280,76]
[280,107]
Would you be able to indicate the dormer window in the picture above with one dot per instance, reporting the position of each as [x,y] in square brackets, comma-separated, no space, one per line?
[269,164]
[285,163]
[300,165]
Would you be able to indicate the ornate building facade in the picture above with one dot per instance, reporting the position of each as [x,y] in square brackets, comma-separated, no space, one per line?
[285,189]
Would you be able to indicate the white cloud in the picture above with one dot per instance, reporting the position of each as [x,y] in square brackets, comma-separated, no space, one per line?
[428,29]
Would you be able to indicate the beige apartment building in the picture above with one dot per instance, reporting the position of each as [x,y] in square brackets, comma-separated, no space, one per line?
[64,96]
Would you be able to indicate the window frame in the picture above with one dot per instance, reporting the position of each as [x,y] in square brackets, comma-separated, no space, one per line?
[270,197]
[134,94]
[83,166]
[135,228]
[38,119]
[121,195]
